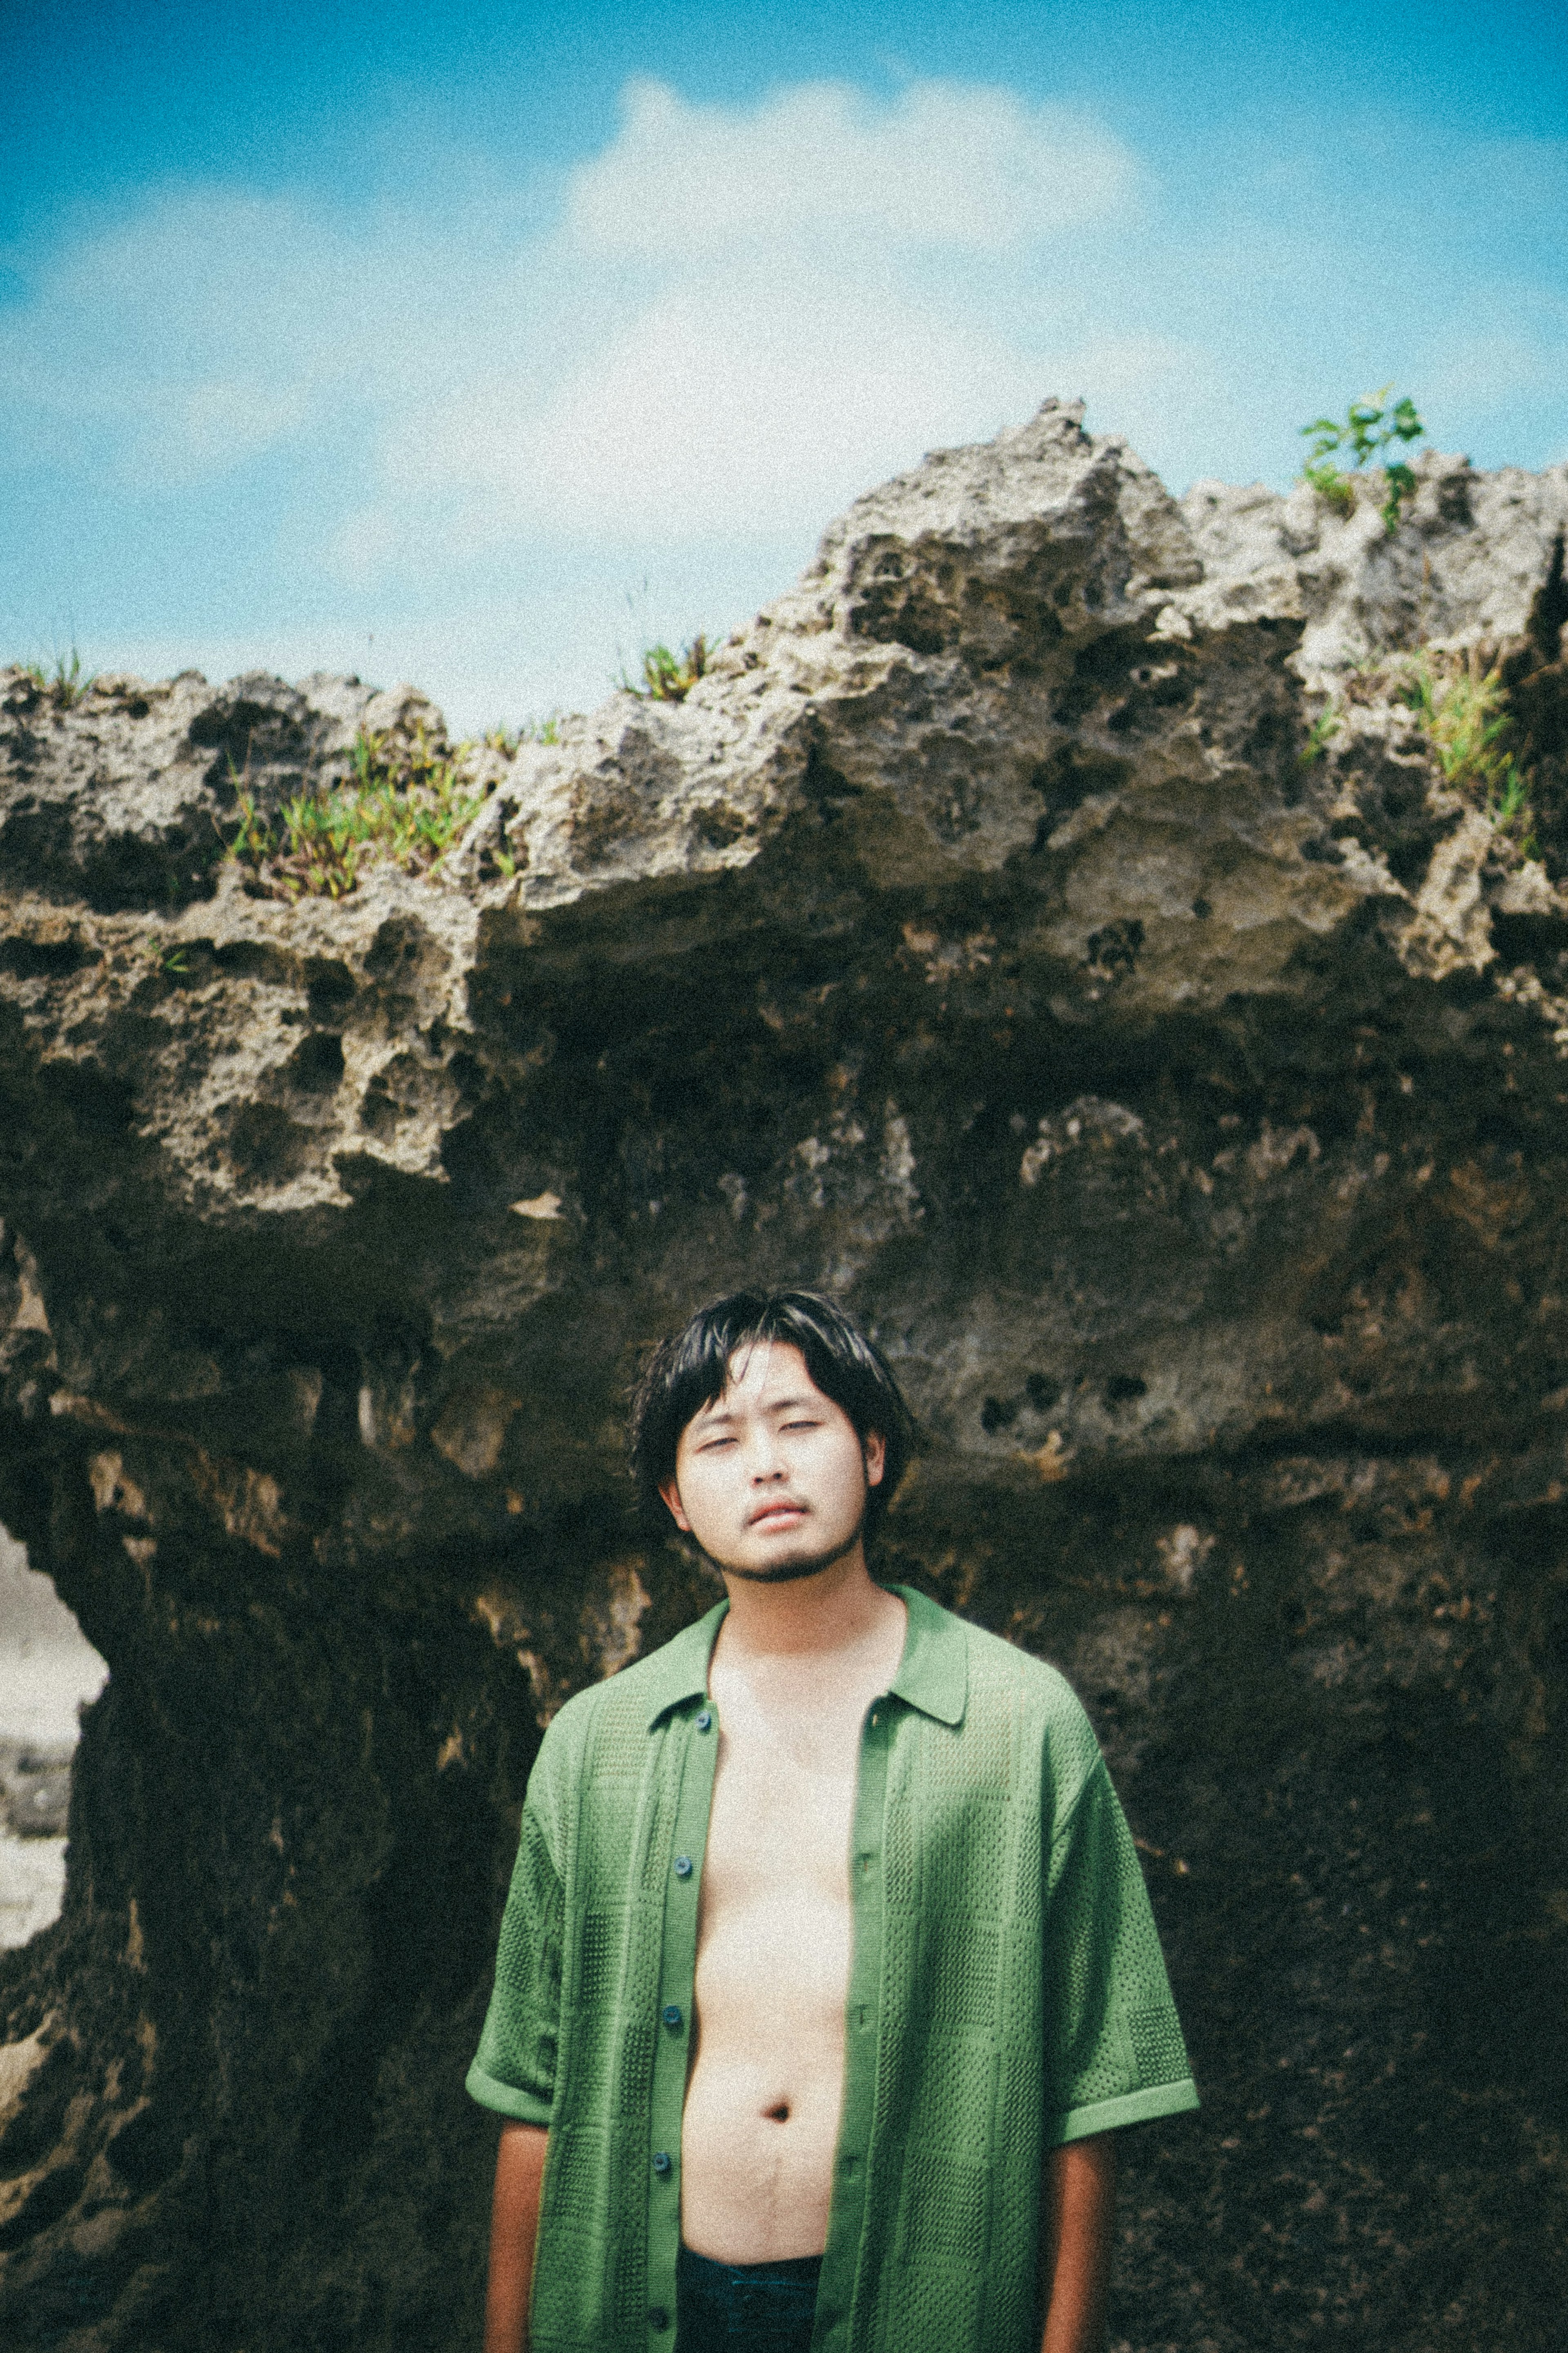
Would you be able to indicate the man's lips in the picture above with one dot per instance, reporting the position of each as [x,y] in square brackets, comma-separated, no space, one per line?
[779,1510]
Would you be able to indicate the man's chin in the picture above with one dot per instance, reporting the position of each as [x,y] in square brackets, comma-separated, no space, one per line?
[785,1572]
[790,1572]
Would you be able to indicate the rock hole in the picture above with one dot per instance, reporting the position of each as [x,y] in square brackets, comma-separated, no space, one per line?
[48,1672]
[329,986]
[316,1065]
[266,1146]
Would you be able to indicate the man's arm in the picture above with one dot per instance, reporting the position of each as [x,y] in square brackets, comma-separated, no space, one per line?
[1078,2216]
[514,2224]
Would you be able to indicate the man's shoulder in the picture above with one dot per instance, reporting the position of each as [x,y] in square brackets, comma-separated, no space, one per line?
[1007,1687]
[1000,1672]
[1001,1667]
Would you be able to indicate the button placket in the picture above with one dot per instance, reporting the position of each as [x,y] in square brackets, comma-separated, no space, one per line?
[836,2295]
[678,1959]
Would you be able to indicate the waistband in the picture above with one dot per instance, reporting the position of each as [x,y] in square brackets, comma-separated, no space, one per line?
[798,2270]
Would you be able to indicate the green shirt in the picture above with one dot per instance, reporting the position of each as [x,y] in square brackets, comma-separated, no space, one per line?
[1006,1993]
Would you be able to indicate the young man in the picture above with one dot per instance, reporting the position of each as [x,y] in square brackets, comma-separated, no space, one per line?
[827,1968]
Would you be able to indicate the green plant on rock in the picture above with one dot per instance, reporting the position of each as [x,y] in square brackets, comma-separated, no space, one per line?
[404,801]
[1319,736]
[1368,432]
[1464,717]
[667,677]
[65,682]
[527,731]
[166,956]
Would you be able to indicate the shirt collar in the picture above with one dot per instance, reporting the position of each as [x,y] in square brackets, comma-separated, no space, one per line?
[679,1671]
[932,1674]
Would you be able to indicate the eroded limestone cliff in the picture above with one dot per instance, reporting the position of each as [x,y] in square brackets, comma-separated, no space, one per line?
[1187,1113]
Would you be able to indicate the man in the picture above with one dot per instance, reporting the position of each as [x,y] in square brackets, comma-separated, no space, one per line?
[827,1968]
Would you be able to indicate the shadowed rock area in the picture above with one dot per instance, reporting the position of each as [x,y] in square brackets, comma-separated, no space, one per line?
[1180,1095]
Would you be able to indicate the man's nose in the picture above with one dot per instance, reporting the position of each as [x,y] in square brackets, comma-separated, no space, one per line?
[765,1458]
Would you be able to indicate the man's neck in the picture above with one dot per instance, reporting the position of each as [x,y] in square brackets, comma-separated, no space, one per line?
[835,1609]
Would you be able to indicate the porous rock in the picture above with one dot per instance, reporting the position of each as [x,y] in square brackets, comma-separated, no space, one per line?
[1181,1097]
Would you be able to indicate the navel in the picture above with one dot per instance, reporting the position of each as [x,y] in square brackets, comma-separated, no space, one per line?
[778,2113]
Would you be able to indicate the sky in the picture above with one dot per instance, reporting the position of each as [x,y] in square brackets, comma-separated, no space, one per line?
[479,347]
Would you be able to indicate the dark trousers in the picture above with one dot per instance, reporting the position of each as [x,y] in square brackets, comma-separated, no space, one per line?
[746,2307]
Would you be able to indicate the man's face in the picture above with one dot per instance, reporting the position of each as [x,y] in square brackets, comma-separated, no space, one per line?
[770,1478]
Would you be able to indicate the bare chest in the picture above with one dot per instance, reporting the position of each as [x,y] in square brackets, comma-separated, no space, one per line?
[784,1804]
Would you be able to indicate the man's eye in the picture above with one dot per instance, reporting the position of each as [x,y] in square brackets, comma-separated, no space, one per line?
[710,1445]
[802,1425]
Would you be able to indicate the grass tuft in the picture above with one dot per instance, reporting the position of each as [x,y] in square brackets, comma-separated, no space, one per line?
[1466,719]
[65,683]
[406,802]
[1319,736]
[667,677]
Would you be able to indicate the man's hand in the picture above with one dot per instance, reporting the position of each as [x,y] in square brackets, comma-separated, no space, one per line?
[1075,2251]
[514,2224]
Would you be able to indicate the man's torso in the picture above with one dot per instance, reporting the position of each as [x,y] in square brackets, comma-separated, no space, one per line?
[774,1950]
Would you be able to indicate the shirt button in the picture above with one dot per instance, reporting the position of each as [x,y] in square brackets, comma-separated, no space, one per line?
[704,1719]
[683,1866]
[657,2317]
[670,2013]
[662,2161]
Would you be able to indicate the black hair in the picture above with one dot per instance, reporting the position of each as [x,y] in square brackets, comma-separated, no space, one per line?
[689,1371]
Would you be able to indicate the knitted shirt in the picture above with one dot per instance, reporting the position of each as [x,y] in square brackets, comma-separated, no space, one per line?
[1006,1993]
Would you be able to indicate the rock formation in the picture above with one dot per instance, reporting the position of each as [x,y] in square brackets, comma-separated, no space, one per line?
[1178,1087]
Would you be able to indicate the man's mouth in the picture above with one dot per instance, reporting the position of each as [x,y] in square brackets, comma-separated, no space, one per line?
[776,1513]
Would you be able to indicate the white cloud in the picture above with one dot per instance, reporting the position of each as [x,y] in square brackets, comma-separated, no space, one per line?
[724,408]
[783,340]
[946,164]
[740,316]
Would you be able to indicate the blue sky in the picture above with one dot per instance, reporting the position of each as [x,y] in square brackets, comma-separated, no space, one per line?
[477,347]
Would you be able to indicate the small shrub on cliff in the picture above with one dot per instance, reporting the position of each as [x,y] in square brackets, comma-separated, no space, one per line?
[406,802]
[1369,430]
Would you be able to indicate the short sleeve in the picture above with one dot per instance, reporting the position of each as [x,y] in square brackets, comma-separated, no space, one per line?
[514,2070]
[1115,2052]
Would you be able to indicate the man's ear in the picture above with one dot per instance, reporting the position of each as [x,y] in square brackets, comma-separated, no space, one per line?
[874,1447]
[671,1495]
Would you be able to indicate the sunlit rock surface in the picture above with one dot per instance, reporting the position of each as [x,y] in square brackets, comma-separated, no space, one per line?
[1188,1117]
